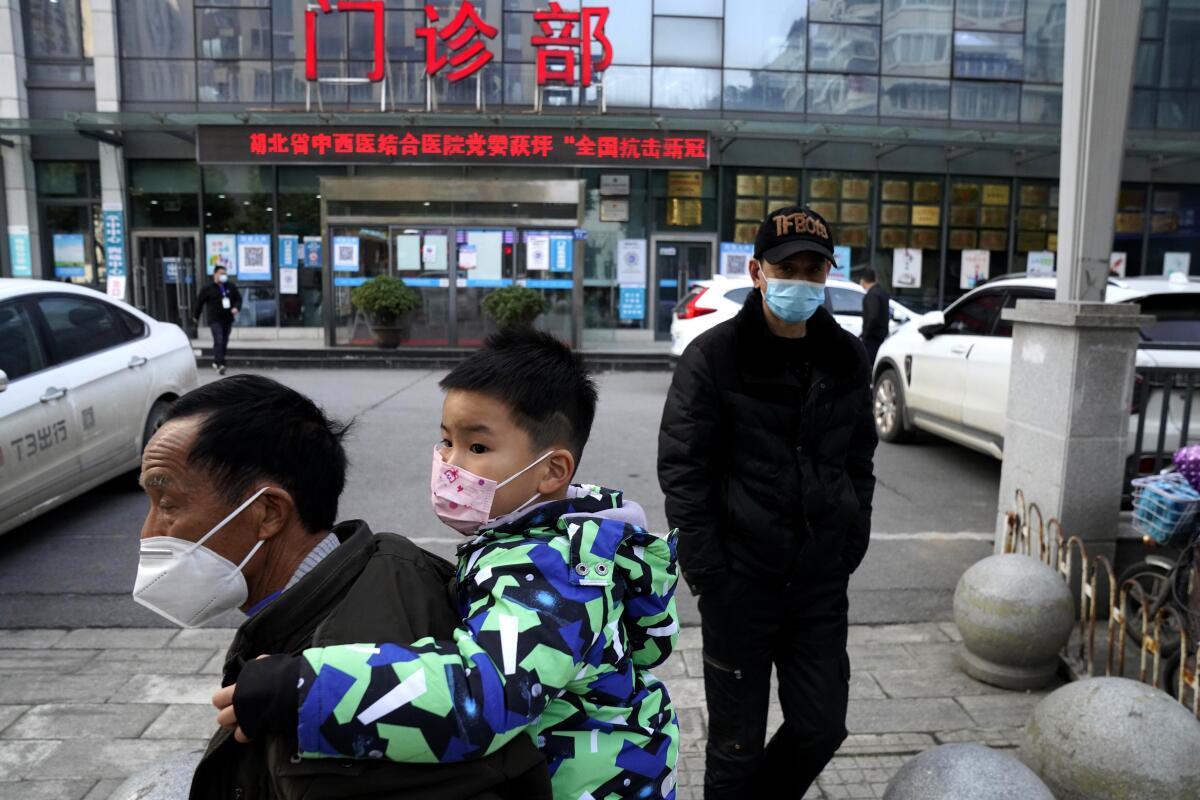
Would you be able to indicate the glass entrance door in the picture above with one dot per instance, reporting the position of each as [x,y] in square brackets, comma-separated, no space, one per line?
[677,264]
[165,281]
[421,257]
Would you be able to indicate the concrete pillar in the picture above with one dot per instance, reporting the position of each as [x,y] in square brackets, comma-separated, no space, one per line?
[20,189]
[1071,378]
[107,63]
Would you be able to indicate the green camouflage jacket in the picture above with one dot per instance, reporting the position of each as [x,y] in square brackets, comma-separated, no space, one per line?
[565,610]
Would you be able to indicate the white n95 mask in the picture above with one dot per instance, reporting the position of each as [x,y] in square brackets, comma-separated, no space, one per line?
[188,583]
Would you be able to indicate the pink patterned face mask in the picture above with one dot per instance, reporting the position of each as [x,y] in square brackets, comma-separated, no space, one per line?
[462,499]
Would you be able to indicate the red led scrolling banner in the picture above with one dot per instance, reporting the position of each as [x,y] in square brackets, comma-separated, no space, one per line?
[238,144]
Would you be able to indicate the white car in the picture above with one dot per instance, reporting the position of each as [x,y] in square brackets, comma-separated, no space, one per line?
[947,372]
[711,302]
[84,382]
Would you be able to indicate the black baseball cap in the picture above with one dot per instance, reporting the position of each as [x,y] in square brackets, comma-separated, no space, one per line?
[791,230]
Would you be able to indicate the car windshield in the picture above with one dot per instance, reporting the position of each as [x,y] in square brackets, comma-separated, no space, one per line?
[844,301]
[1178,318]
[738,295]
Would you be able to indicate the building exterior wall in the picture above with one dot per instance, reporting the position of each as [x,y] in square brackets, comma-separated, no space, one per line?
[880,65]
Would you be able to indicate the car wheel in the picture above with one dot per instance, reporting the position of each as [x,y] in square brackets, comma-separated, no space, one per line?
[888,408]
[154,420]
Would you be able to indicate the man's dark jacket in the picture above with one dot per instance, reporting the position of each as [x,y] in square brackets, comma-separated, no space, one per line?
[210,298]
[877,315]
[372,588]
[765,457]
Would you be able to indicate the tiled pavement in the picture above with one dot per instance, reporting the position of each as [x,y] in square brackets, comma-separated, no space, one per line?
[80,710]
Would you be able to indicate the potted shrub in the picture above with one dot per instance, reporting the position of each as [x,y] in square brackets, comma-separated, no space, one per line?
[388,303]
[515,306]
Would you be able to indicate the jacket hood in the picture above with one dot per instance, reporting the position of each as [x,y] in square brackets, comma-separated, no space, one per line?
[609,544]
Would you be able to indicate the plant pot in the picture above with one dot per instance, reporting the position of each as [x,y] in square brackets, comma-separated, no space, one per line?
[391,331]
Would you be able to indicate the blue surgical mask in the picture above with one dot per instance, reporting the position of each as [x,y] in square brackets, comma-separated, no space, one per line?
[222,278]
[793,301]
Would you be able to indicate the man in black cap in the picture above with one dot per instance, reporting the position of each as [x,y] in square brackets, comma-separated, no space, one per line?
[765,457]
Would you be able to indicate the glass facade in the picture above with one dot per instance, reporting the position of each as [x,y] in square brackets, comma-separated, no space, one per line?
[990,61]
[970,65]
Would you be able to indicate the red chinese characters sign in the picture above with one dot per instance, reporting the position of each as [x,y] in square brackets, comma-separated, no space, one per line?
[457,43]
[353,145]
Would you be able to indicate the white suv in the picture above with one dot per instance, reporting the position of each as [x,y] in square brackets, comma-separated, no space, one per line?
[947,372]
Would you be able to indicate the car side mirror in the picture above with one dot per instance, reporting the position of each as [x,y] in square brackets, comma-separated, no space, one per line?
[932,324]
[3,380]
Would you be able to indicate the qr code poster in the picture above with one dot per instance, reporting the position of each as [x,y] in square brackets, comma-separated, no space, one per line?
[254,256]
[345,253]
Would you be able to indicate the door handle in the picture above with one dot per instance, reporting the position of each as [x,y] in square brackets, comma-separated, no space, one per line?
[53,393]
[960,349]
[136,361]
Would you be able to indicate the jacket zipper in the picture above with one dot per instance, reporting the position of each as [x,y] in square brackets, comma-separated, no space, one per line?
[712,662]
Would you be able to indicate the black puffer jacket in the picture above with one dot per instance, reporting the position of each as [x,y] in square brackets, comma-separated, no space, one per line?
[765,451]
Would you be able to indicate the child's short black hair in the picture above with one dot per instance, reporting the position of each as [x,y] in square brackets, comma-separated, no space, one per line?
[550,392]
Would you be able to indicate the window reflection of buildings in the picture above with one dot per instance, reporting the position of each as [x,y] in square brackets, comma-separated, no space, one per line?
[916,37]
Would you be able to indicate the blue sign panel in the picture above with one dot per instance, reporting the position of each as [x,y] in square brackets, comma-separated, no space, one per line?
[69,260]
[114,242]
[632,303]
[289,248]
[562,251]
[312,253]
[18,253]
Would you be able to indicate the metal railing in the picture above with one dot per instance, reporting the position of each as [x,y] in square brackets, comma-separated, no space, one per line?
[1160,421]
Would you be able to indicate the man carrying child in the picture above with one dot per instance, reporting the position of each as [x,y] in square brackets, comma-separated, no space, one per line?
[566,603]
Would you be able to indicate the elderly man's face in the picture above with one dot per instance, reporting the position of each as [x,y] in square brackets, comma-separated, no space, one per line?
[184,503]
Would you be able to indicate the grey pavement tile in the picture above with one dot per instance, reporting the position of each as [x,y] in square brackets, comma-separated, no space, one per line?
[951,630]
[905,716]
[864,687]
[94,638]
[939,655]
[992,737]
[183,722]
[161,661]
[204,638]
[896,634]
[671,668]
[61,662]
[689,639]
[871,657]
[215,665]
[83,721]
[168,689]
[34,688]
[110,758]
[693,661]
[687,692]
[9,714]
[20,758]
[692,724]
[103,789]
[48,790]
[876,743]
[1012,709]
[930,682]
[30,638]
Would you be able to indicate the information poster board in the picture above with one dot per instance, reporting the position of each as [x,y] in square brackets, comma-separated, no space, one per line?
[1172,263]
[631,262]
[289,280]
[1041,262]
[1117,264]
[220,251]
[254,256]
[312,252]
[489,254]
[537,252]
[18,251]
[345,253]
[408,251]
[841,262]
[562,252]
[114,251]
[289,251]
[632,303]
[69,260]
[433,252]
[976,268]
[906,268]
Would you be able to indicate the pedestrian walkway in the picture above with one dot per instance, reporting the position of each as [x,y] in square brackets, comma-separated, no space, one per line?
[80,710]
